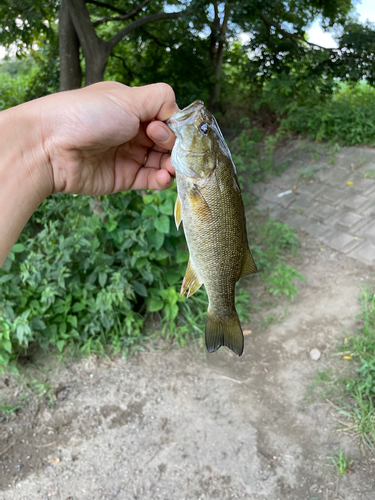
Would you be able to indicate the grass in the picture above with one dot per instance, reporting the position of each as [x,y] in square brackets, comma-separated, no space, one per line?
[355,394]
[342,463]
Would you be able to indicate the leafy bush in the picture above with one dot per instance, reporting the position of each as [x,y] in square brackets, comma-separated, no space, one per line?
[347,117]
[253,155]
[79,279]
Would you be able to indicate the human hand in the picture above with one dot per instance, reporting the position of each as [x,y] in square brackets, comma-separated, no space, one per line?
[107,138]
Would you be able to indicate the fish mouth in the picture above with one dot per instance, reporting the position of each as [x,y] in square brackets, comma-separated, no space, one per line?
[185,116]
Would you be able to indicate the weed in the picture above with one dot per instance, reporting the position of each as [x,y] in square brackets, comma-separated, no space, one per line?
[42,390]
[332,152]
[306,173]
[280,280]
[342,462]
[9,409]
[370,174]
[272,319]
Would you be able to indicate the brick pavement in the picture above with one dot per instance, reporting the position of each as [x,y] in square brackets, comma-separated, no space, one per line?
[329,195]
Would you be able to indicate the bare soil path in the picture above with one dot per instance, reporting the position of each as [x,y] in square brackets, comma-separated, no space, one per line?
[177,424]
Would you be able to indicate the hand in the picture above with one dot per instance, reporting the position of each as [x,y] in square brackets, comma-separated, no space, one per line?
[107,138]
[98,140]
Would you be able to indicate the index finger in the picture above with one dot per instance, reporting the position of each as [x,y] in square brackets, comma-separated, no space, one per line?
[154,101]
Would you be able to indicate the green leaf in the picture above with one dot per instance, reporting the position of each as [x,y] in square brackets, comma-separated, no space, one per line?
[102,279]
[149,198]
[111,225]
[154,304]
[150,211]
[161,254]
[78,306]
[139,288]
[162,224]
[156,238]
[60,345]
[173,276]
[18,248]
[7,345]
[181,255]
[167,207]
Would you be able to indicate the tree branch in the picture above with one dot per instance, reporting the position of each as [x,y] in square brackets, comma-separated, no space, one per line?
[153,37]
[123,17]
[140,22]
[293,36]
[124,64]
[106,6]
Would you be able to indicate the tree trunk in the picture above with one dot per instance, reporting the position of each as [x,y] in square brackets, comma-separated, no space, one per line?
[217,46]
[70,66]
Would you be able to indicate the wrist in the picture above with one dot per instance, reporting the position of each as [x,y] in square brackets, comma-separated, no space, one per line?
[25,177]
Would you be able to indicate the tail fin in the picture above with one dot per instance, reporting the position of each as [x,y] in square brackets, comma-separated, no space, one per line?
[228,332]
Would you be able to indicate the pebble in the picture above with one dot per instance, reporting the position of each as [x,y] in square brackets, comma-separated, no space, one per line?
[315,354]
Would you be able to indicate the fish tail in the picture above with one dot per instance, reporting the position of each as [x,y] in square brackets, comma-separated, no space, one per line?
[224,332]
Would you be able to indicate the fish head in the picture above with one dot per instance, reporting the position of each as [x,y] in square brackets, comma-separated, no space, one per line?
[198,140]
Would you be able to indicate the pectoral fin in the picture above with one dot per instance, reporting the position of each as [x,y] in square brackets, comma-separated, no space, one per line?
[199,204]
[248,264]
[177,212]
[191,281]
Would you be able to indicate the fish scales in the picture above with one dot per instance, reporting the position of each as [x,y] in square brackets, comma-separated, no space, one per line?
[211,209]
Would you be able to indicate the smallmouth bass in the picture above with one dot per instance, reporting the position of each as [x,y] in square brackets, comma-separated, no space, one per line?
[209,204]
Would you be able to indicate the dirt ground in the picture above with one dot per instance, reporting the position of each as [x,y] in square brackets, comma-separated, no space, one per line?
[177,424]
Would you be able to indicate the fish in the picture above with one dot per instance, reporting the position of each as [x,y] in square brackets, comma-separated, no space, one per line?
[209,205]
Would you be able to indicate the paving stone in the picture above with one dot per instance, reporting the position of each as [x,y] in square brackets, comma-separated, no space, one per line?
[313,188]
[369,213]
[368,167]
[318,230]
[367,231]
[304,202]
[370,192]
[322,212]
[278,213]
[264,204]
[330,195]
[365,253]
[355,158]
[299,221]
[340,241]
[362,185]
[286,200]
[271,193]
[284,182]
[323,174]
[259,188]
[338,178]
[347,221]
[356,202]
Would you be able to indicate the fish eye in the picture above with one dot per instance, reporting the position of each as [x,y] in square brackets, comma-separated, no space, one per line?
[203,128]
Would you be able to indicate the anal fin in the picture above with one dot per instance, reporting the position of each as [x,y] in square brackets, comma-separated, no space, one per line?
[248,264]
[191,281]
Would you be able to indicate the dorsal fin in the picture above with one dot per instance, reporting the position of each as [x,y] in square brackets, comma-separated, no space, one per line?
[248,264]
[191,281]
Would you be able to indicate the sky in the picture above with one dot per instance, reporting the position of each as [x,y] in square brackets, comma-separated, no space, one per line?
[365,9]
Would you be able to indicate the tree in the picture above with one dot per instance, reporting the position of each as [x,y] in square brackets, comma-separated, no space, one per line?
[77,29]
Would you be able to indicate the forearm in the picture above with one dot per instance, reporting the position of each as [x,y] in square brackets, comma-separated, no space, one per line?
[23,172]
